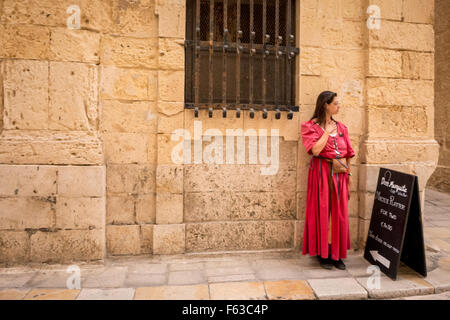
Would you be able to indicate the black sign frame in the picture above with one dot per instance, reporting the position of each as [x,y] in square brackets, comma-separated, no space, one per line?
[396,230]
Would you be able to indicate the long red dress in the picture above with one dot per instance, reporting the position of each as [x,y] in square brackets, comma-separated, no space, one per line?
[320,197]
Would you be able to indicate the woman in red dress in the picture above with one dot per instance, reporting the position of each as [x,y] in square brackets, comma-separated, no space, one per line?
[328,192]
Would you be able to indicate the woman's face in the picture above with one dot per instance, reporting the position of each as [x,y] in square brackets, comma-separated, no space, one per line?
[333,107]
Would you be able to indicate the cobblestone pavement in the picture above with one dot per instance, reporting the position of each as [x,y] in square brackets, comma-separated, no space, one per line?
[253,275]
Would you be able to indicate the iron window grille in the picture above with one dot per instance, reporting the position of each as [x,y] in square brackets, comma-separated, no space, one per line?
[240,55]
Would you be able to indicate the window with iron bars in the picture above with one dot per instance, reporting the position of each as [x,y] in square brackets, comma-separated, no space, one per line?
[240,55]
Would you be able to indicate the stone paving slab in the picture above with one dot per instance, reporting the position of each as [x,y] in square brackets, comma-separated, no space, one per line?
[439,279]
[338,288]
[48,279]
[237,291]
[147,267]
[186,266]
[52,294]
[15,280]
[187,277]
[439,296]
[107,294]
[289,290]
[188,292]
[325,274]
[134,280]
[232,278]
[405,285]
[108,277]
[280,273]
[13,294]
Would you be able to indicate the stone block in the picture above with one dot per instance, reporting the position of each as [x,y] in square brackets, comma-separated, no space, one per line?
[120,210]
[121,147]
[338,288]
[366,204]
[402,35]
[52,294]
[67,245]
[28,180]
[146,208]
[389,10]
[419,11]
[80,213]
[310,61]
[135,19]
[399,92]
[123,240]
[131,178]
[187,277]
[107,294]
[169,178]
[363,232]
[19,213]
[309,89]
[24,42]
[73,96]
[405,285]
[279,234]
[12,294]
[386,152]
[171,85]
[343,64]
[185,292]
[212,177]
[128,84]
[397,121]
[237,205]
[169,238]
[74,45]
[418,65]
[132,116]
[309,34]
[171,19]
[26,100]
[14,246]
[81,181]
[289,290]
[237,291]
[169,208]
[353,10]
[385,63]
[95,15]
[171,54]
[353,34]
[50,147]
[129,52]
[223,236]
[147,238]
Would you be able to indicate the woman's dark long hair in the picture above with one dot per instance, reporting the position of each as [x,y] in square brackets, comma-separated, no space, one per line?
[321,110]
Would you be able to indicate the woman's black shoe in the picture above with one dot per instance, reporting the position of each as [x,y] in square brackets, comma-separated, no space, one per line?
[338,264]
[325,263]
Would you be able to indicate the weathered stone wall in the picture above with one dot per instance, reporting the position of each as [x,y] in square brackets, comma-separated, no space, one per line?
[440,179]
[399,98]
[52,194]
[88,115]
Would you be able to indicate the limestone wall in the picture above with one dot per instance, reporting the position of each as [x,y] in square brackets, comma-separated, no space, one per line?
[441,177]
[88,115]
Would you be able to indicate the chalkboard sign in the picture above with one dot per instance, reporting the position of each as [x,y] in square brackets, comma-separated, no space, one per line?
[395,231]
